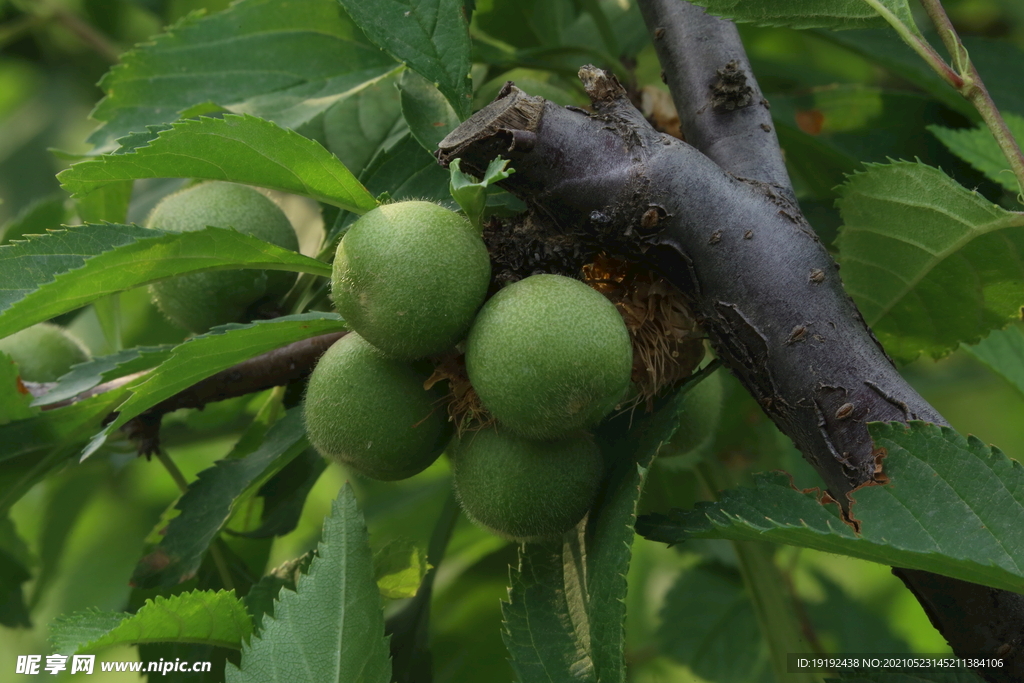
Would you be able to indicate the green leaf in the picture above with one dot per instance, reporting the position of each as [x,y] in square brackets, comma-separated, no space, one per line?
[108,203]
[832,14]
[85,376]
[566,611]
[281,61]
[52,274]
[364,121]
[68,633]
[15,399]
[930,263]
[284,495]
[977,147]
[241,149]
[708,644]
[332,627]
[952,506]
[207,505]
[208,354]
[41,215]
[431,36]
[399,568]
[425,109]
[470,193]
[1003,352]
[405,171]
[203,617]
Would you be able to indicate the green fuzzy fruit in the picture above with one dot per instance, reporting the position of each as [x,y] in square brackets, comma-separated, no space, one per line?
[199,301]
[371,413]
[523,489]
[44,352]
[409,277]
[549,355]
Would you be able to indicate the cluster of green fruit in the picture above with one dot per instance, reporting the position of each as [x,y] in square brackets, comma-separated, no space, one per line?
[548,356]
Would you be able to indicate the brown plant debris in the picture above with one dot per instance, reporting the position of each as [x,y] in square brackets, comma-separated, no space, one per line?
[461,401]
[524,245]
[667,343]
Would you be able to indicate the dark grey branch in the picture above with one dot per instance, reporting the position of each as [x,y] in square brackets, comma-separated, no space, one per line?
[693,47]
[757,278]
[722,111]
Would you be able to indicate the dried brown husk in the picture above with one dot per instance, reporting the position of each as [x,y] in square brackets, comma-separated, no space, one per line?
[668,345]
[462,403]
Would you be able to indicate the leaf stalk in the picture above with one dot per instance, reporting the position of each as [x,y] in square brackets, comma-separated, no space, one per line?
[963,76]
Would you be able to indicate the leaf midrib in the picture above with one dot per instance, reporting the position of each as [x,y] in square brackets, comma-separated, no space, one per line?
[974,232]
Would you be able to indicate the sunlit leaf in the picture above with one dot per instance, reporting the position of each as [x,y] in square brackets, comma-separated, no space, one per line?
[399,568]
[241,149]
[204,617]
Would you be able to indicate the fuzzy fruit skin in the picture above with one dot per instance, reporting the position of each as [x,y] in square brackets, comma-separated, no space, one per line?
[409,277]
[549,355]
[371,413]
[199,301]
[526,490]
[44,352]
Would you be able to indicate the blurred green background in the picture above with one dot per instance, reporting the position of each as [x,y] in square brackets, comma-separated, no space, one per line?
[95,517]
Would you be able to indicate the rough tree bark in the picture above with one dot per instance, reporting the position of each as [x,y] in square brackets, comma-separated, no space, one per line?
[718,218]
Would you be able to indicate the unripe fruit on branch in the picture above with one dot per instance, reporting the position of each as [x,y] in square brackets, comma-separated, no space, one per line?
[523,489]
[199,301]
[549,355]
[372,414]
[409,277]
[43,352]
